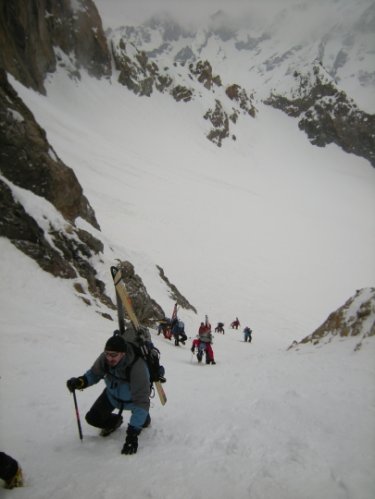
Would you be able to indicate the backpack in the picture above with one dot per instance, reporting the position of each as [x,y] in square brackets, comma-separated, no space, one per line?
[147,351]
[151,355]
[181,327]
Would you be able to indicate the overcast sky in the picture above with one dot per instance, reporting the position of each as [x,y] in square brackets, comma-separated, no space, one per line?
[304,19]
[113,11]
[315,13]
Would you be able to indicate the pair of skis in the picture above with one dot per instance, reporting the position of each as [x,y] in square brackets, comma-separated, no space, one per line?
[124,303]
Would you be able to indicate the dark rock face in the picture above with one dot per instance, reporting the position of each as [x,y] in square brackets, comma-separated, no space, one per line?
[202,70]
[35,37]
[146,309]
[175,294]
[137,73]
[220,124]
[28,160]
[32,32]
[239,95]
[328,116]
[23,231]
[142,76]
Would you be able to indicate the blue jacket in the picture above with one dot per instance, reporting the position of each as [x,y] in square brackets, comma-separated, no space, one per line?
[127,384]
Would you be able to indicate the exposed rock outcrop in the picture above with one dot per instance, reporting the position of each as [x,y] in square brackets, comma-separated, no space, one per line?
[202,70]
[142,76]
[35,38]
[355,319]
[175,294]
[146,309]
[32,178]
[239,95]
[136,72]
[29,161]
[220,124]
[327,115]
[37,35]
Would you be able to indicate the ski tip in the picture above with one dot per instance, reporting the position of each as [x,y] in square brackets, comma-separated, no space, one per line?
[114,270]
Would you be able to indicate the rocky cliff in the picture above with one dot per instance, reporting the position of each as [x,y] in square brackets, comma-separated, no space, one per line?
[354,320]
[161,55]
[36,38]
[327,114]
[38,35]
[32,174]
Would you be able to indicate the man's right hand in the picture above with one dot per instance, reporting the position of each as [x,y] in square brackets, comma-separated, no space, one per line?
[76,384]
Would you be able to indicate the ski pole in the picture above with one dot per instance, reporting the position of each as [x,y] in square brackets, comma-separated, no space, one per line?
[77,415]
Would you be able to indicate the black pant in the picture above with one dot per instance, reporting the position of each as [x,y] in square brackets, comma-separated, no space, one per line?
[100,415]
[180,336]
[8,467]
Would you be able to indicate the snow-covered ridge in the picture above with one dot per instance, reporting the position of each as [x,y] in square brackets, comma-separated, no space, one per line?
[268,48]
[355,319]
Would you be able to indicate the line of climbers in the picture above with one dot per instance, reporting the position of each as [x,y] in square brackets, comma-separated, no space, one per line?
[175,328]
[128,378]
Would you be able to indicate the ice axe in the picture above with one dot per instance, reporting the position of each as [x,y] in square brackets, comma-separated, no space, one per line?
[77,416]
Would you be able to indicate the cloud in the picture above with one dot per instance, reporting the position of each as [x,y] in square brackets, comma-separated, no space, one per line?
[122,12]
[289,17]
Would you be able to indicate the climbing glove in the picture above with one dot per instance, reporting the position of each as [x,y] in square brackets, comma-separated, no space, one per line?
[76,383]
[131,441]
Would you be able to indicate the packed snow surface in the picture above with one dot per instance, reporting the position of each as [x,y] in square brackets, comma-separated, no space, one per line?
[268,228]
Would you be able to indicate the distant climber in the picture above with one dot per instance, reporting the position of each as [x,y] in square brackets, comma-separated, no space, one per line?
[178,331]
[247,334]
[235,324]
[203,344]
[219,328]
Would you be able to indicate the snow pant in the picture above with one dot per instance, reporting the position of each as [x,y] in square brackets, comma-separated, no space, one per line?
[195,343]
[179,337]
[247,336]
[167,333]
[209,352]
[206,347]
[8,467]
[166,330]
[100,415]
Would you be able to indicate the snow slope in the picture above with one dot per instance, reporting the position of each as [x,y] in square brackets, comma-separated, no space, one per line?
[267,228]
[261,423]
[238,229]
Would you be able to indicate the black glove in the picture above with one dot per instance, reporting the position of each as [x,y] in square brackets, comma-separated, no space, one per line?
[76,383]
[131,441]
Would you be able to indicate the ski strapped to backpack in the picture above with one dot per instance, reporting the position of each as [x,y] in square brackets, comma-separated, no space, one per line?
[145,348]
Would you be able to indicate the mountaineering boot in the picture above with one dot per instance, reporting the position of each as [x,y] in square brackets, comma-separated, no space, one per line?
[199,356]
[107,431]
[16,480]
